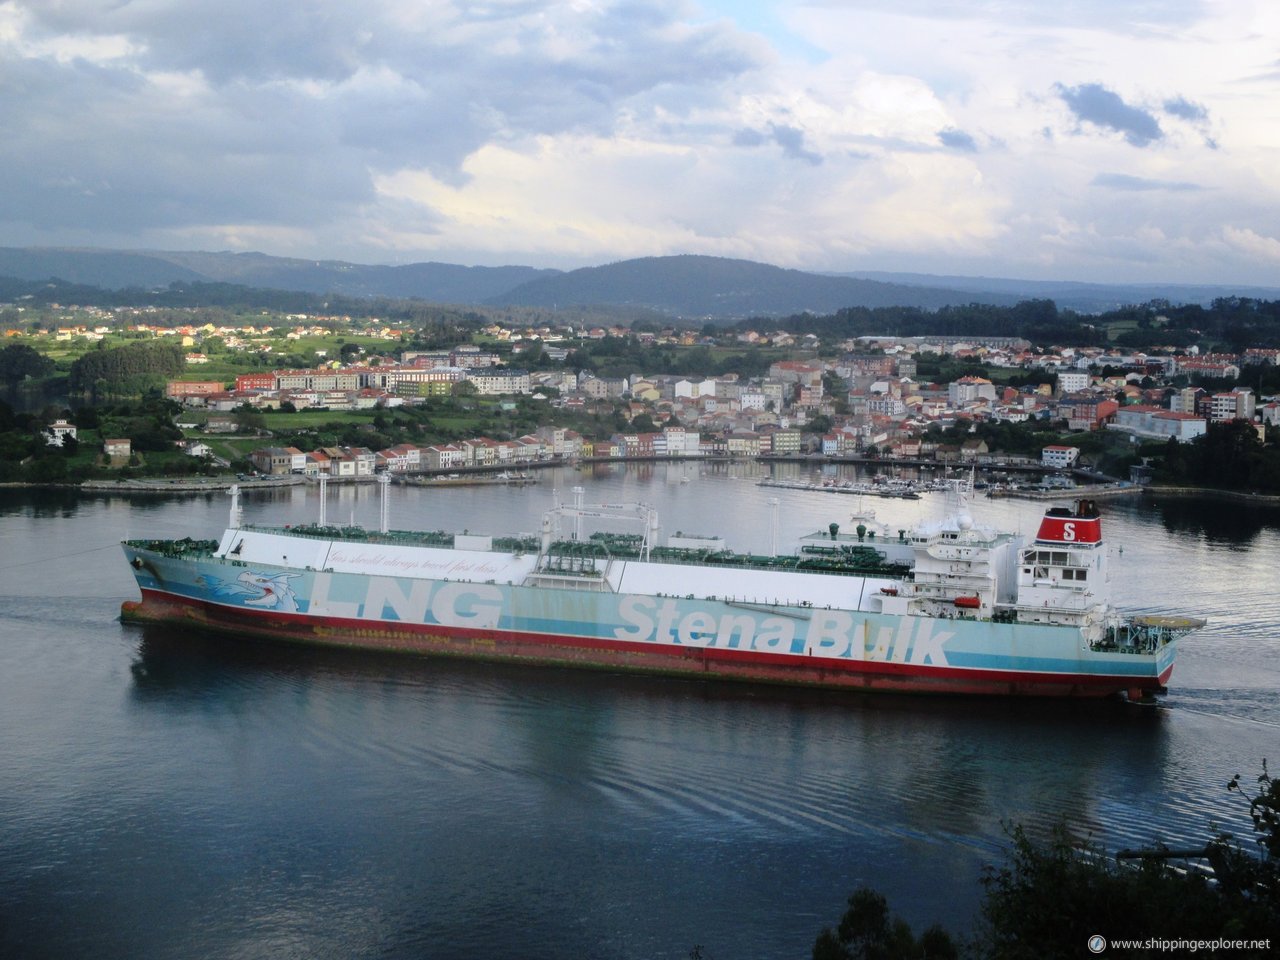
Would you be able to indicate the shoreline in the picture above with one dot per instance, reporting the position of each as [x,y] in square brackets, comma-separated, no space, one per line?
[160,486]
[1210,493]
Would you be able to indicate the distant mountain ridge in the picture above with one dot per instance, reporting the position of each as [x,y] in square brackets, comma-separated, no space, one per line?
[717,287]
[687,286]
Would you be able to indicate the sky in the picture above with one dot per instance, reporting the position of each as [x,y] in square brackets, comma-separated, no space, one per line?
[1092,140]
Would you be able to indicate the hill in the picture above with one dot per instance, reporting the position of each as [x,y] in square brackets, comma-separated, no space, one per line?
[720,288]
[1075,295]
[693,287]
[117,270]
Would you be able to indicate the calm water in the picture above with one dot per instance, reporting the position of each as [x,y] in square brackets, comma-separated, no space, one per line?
[164,795]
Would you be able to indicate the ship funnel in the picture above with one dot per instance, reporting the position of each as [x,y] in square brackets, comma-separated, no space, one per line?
[1061,525]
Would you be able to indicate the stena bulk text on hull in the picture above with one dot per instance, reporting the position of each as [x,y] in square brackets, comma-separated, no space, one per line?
[948,607]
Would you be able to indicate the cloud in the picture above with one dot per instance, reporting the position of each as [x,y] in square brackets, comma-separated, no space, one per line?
[928,135]
[284,112]
[1094,103]
[1252,244]
[957,140]
[1184,108]
[1123,181]
[790,139]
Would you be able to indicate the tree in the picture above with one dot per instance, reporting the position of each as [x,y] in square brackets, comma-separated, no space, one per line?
[248,419]
[867,931]
[18,362]
[1052,896]
[819,424]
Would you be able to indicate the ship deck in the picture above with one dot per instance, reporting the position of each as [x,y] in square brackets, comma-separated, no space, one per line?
[818,554]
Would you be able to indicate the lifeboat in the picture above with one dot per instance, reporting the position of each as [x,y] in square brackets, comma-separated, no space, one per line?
[968,603]
[889,591]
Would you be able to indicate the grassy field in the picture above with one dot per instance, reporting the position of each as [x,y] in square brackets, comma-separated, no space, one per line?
[279,422]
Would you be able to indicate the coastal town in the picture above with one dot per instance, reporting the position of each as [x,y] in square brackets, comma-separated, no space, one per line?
[882,397]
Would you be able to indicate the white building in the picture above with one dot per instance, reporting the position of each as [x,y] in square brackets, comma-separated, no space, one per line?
[1155,424]
[1236,405]
[968,389]
[1059,457]
[492,381]
[1072,381]
[692,389]
[58,432]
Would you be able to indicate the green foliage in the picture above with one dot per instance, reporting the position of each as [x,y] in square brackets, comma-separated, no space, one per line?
[867,931]
[1053,895]
[19,361]
[643,423]
[1228,457]
[1050,898]
[148,424]
[249,419]
[126,371]
[1036,320]
[820,424]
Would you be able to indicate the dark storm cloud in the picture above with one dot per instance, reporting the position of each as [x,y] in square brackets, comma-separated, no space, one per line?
[286,110]
[1094,103]
[957,140]
[1123,181]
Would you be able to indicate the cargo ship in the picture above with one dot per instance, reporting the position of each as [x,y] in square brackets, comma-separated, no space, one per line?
[947,607]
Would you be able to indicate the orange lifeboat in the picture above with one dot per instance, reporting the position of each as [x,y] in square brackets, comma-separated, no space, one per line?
[968,603]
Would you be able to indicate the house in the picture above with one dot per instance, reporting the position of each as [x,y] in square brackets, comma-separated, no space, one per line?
[743,445]
[1087,411]
[272,460]
[181,389]
[58,432]
[220,425]
[117,449]
[444,456]
[341,463]
[402,458]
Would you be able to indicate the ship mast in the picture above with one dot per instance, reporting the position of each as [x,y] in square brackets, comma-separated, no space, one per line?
[237,515]
[384,512]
